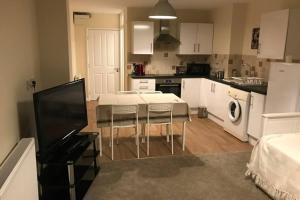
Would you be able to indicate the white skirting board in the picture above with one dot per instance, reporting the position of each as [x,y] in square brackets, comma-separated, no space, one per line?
[215,119]
[252,140]
[18,174]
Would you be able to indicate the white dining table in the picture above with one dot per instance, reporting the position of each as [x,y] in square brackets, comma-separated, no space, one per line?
[138,99]
[106,101]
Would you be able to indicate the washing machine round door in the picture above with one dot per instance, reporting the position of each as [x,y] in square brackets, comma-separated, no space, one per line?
[234,110]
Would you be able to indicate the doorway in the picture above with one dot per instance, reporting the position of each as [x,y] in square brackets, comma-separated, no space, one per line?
[103,62]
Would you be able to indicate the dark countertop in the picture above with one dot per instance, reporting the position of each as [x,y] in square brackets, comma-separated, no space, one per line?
[157,76]
[257,89]
[260,89]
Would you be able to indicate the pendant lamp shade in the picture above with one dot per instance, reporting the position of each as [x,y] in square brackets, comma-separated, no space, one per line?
[163,10]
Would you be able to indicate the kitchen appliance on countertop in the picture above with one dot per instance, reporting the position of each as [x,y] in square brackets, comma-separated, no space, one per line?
[170,85]
[198,69]
[220,75]
[180,70]
[138,69]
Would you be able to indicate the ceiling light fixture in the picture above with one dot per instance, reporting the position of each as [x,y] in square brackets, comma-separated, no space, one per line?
[163,10]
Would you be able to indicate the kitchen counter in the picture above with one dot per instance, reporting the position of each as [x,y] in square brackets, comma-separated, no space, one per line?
[260,89]
[158,76]
[257,89]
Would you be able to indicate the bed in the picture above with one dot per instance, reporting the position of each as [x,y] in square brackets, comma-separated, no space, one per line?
[275,160]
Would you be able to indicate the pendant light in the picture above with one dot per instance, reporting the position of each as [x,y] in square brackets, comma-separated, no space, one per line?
[163,10]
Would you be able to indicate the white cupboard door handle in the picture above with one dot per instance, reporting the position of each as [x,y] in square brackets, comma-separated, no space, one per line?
[143,81]
[143,87]
[183,84]
[252,99]
[214,87]
[211,87]
[151,47]
[198,47]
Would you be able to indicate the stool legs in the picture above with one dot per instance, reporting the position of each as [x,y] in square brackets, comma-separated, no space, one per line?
[183,136]
[112,142]
[148,132]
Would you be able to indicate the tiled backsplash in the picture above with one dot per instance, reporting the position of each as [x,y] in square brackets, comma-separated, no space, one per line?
[162,61]
[240,65]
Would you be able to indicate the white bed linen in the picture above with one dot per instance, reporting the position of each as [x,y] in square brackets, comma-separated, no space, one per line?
[275,165]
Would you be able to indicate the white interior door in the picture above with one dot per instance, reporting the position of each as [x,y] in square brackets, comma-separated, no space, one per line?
[103,62]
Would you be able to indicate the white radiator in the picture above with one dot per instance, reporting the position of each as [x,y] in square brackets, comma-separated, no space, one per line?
[18,174]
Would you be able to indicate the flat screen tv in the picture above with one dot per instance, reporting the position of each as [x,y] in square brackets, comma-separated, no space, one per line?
[60,113]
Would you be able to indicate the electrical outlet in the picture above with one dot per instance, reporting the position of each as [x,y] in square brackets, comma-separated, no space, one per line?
[31,84]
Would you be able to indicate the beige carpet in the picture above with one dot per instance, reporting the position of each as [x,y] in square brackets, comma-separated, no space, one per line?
[211,177]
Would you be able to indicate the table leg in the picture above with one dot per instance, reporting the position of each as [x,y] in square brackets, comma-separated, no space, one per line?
[168,132]
[112,142]
[183,136]
[143,127]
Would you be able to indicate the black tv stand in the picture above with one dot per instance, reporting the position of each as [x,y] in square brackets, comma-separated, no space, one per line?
[68,174]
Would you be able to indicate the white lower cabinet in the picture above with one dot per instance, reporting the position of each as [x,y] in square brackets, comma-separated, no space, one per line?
[213,96]
[256,110]
[190,91]
[143,84]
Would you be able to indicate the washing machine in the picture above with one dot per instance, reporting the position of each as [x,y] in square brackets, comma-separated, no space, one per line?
[236,120]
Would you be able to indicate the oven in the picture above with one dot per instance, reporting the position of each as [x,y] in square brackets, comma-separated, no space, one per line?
[170,85]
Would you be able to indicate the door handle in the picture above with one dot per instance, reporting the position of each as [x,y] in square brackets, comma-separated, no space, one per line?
[117,69]
[151,47]
[183,84]
[251,101]
[198,47]
[143,81]
[214,87]
[143,87]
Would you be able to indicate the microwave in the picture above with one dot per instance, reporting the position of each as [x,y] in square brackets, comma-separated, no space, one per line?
[198,69]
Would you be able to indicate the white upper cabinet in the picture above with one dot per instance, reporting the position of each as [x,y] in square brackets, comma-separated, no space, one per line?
[142,37]
[196,38]
[279,34]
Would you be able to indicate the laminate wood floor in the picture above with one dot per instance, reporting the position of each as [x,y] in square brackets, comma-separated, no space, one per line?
[203,136]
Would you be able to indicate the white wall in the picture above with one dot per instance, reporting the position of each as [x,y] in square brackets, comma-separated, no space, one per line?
[19,62]
[105,21]
[53,41]
[255,9]
[222,19]
[229,27]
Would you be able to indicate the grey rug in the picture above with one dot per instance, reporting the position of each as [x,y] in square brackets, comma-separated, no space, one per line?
[212,177]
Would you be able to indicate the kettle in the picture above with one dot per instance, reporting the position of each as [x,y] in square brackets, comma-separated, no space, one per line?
[138,69]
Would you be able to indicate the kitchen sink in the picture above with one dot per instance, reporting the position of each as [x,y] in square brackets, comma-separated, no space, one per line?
[245,81]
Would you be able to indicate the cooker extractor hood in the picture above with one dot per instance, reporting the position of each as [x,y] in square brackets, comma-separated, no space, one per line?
[164,36]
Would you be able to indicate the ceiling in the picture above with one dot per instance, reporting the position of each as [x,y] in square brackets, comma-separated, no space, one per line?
[115,6]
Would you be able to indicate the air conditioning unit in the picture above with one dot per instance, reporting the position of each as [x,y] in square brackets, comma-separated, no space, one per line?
[81,17]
